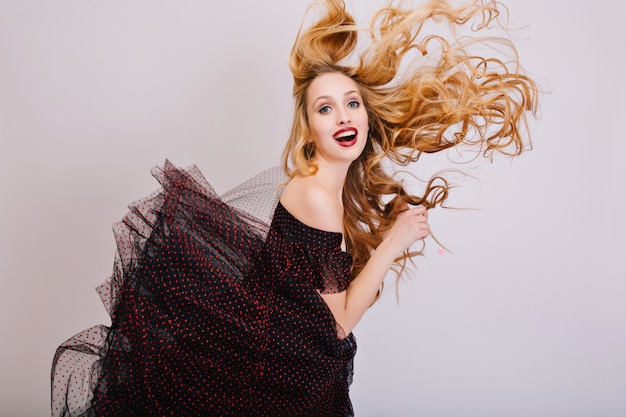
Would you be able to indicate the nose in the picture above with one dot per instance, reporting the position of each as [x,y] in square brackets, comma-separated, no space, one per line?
[343,117]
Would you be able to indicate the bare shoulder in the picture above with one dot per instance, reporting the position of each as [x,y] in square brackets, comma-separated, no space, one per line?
[308,201]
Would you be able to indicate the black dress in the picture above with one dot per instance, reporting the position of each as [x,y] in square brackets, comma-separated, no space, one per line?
[214,312]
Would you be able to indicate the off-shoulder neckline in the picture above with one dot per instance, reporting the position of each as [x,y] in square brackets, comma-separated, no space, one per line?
[336,236]
[280,204]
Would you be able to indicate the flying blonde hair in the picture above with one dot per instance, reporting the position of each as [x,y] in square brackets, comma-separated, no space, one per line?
[452,99]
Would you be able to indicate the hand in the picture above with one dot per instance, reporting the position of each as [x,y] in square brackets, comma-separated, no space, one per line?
[410,226]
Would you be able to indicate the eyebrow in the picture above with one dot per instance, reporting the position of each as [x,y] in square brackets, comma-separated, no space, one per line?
[330,98]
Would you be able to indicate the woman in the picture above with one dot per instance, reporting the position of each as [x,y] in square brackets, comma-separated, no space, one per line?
[338,125]
[215,312]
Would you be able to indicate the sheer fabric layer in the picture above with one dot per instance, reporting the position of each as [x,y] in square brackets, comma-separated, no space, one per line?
[214,312]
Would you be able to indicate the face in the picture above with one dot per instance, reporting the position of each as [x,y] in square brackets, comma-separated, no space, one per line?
[337,119]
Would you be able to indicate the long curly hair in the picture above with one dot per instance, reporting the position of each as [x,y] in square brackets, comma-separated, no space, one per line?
[423,94]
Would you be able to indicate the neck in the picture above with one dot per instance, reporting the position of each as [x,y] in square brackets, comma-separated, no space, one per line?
[332,177]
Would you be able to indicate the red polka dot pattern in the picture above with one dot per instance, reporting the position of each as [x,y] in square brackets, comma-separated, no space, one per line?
[213,313]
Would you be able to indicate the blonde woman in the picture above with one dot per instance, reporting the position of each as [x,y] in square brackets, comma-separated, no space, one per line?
[217,312]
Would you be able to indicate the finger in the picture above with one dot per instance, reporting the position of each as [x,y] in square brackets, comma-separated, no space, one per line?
[420,228]
[421,222]
[420,212]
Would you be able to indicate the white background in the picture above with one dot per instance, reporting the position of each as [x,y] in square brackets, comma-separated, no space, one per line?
[526,316]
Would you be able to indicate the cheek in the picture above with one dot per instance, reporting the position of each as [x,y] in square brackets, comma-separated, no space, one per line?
[314,131]
[321,126]
[365,121]
[311,126]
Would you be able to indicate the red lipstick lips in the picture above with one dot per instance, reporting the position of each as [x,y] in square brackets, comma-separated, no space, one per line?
[346,137]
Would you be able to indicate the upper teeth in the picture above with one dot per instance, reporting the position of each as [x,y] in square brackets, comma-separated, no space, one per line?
[345,134]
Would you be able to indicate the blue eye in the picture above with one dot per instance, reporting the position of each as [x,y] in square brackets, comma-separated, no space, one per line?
[354,104]
[324,109]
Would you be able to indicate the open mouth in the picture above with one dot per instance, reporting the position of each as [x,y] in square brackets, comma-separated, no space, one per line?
[346,137]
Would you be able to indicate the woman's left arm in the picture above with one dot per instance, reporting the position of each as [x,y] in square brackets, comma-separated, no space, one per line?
[349,306]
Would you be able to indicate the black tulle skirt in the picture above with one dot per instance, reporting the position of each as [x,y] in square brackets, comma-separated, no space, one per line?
[215,311]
